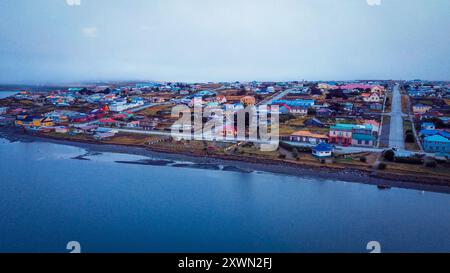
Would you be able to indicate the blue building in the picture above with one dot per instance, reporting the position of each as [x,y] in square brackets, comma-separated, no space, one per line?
[323,150]
[436,144]
[428,126]
[296,103]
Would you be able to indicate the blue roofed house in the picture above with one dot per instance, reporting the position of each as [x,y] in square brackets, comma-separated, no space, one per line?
[296,103]
[323,150]
[436,144]
[428,126]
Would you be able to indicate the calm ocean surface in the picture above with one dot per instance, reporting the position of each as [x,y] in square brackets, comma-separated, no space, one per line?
[48,199]
[5,94]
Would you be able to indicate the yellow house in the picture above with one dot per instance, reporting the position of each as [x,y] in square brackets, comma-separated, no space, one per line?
[22,120]
[43,122]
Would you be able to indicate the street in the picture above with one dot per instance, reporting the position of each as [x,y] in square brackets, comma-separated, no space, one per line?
[396,134]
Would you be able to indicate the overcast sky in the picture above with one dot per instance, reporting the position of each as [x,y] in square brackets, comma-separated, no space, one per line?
[223,40]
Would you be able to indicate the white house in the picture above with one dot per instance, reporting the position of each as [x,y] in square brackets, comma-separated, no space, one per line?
[298,110]
[371,97]
[3,110]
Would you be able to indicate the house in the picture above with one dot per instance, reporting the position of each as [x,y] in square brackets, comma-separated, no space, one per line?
[299,110]
[133,124]
[323,150]
[428,126]
[308,137]
[248,100]
[108,122]
[342,134]
[324,112]
[118,106]
[375,125]
[298,102]
[421,108]
[104,136]
[314,123]
[376,106]
[221,99]
[432,114]
[6,121]
[436,144]
[228,131]
[283,110]
[347,106]
[3,110]
[23,120]
[61,129]
[157,100]
[204,94]
[42,122]
[363,140]
[371,97]
[85,129]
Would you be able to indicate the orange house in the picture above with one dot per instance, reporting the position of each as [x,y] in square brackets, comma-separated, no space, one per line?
[248,100]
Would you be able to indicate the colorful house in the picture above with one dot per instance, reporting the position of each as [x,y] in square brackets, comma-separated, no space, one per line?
[363,140]
[28,121]
[428,126]
[371,97]
[342,134]
[228,131]
[43,122]
[308,137]
[375,125]
[421,109]
[323,150]
[436,144]
[299,110]
[298,102]
[248,100]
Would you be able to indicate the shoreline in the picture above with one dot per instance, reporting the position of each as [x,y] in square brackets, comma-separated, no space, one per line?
[244,164]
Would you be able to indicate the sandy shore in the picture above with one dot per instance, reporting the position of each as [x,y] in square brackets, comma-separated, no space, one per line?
[347,175]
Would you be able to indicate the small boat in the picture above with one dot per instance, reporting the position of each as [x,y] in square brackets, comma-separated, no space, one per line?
[383,187]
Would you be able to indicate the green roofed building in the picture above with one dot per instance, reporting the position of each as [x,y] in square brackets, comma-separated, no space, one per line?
[363,140]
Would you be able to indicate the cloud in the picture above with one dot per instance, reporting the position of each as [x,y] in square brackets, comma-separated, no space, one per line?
[73,2]
[89,32]
[374,2]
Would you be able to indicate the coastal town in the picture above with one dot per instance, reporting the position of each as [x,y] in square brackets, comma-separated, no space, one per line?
[385,128]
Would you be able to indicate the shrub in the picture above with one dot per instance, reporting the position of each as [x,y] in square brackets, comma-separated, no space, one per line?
[409,138]
[382,166]
[363,159]
[409,160]
[282,156]
[389,155]
[430,163]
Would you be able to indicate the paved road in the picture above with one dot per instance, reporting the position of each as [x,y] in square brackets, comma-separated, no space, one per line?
[396,134]
[276,96]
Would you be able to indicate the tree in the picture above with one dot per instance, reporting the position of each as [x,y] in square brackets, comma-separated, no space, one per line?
[430,163]
[409,138]
[389,155]
[382,166]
